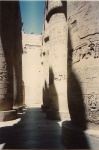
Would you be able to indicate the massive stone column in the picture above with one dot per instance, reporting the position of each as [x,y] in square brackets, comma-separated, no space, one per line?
[6,61]
[83,64]
[45,63]
[57,60]
[83,73]
[17,54]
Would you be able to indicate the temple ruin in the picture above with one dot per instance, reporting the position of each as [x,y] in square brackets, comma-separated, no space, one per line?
[57,70]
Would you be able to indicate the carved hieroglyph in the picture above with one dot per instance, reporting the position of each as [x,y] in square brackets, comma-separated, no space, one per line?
[5,95]
[83,57]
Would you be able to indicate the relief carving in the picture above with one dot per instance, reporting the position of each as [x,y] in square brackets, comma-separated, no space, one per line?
[88,77]
[84,51]
[3,76]
[92,107]
[59,77]
[3,91]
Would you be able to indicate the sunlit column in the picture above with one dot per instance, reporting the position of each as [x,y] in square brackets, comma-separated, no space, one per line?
[57,60]
[45,56]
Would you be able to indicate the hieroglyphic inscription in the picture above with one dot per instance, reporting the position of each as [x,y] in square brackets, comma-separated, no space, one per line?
[3,74]
[88,78]
[84,51]
[92,107]
[58,29]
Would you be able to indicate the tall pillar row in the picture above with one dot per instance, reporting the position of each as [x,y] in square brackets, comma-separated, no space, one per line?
[73,69]
[72,48]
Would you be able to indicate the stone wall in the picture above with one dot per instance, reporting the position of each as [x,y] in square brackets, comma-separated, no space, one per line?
[32,72]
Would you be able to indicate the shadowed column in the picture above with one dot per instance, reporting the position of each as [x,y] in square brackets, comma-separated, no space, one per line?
[17,54]
[6,61]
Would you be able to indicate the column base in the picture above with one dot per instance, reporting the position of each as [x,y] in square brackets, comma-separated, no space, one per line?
[57,115]
[8,115]
[74,137]
[44,108]
[19,109]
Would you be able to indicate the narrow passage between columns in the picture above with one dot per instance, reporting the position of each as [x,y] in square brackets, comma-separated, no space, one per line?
[31,130]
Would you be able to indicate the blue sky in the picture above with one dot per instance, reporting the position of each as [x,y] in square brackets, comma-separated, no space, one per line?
[32,14]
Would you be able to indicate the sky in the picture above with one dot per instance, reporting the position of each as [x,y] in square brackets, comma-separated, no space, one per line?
[32,14]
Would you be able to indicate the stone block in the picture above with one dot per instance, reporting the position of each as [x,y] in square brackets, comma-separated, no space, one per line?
[19,109]
[8,115]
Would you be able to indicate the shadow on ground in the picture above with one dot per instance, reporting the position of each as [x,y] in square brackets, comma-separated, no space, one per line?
[33,131]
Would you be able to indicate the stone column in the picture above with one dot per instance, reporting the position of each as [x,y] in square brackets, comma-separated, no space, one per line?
[83,65]
[6,61]
[83,73]
[57,60]
[45,55]
[17,54]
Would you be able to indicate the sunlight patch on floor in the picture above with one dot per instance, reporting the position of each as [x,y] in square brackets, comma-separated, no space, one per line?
[2,145]
[9,123]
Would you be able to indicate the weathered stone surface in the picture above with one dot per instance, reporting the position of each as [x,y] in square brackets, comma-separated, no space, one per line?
[6,52]
[10,41]
[57,58]
[55,41]
[17,54]
[83,64]
[31,67]
[8,115]
[45,65]
[19,109]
